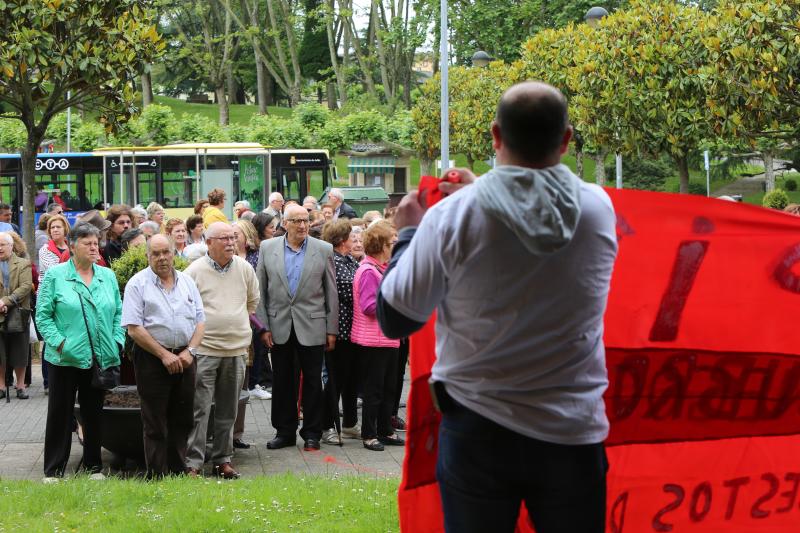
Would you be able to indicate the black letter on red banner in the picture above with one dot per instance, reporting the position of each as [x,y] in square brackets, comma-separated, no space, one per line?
[687,264]
[783,272]
[679,493]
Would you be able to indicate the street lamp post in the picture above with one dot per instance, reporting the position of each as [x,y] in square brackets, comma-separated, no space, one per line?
[593,18]
[445,103]
[69,124]
[481,59]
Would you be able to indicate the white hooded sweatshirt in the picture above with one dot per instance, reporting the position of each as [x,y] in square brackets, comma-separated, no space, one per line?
[518,268]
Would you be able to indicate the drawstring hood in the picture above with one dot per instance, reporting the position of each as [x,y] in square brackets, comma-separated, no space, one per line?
[541,206]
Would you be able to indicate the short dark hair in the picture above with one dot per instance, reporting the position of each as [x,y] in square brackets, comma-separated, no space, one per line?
[81,230]
[532,118]
[193,221]
[4,206]
[261,221]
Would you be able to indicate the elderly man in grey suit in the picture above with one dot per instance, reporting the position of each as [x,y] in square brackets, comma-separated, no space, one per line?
[299,307]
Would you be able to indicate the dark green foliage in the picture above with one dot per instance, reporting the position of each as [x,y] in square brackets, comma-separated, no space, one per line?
[790,184]
[697,188]
[313,55]
[642,173]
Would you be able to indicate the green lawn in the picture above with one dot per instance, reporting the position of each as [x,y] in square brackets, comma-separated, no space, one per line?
[239,114]
[278,503]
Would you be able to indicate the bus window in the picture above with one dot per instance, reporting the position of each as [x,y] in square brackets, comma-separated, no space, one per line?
[314,183]
[93,185]
[146,183]
[8,189]
[179,189]
[63,189]
[291,185]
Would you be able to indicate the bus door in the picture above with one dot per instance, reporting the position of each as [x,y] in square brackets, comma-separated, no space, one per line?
[123,188]
[291,184]
[10,179]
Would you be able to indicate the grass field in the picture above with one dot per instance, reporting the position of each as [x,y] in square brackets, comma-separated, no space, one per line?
[277,503]
[239,114]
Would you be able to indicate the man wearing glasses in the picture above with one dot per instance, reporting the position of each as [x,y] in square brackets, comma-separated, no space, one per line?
[229,291]
[300,309]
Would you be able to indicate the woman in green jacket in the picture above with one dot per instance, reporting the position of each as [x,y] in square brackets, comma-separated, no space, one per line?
[67,291]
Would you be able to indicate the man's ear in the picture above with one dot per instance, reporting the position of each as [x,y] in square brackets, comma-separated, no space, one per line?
[497,139]
[565,140]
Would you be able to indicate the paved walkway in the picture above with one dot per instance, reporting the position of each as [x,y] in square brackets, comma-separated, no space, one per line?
[22,426]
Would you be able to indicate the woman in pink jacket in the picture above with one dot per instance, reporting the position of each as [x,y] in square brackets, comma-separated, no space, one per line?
[378,354]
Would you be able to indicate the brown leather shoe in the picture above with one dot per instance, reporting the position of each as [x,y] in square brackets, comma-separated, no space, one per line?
[226,471]
[193,472]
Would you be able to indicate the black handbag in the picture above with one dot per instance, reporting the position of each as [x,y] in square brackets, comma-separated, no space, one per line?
[102,378]
[17,320]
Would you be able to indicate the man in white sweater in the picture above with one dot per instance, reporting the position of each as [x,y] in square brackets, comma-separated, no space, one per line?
[229,290]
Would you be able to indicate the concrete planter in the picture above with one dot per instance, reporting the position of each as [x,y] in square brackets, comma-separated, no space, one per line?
[122,425]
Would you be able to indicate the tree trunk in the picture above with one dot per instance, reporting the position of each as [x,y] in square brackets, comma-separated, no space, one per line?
[425,166]
[261,86]
[232,85]
[682,161]
[269,89]
[28,160]
[294,96]
[769,170]
[147,88]
[600,168]
[331,90]
[470,163]
[407,88]
[222,101]
[578,140]
[261,73]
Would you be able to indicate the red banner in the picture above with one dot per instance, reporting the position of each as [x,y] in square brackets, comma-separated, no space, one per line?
[704,367]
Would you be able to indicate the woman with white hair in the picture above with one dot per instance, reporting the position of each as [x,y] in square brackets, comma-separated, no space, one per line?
[155,213]
[15,304]
[138,215]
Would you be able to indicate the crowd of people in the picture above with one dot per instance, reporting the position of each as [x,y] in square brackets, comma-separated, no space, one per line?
[280,303]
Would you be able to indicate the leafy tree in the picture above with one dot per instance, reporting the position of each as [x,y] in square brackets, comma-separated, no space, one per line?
[206,35]
[273,35]
[642,89]
[313,54]
[12,136]
[550,56]
[753,71]
[89,136]
[473,103]
[57,129]
[401,128]
[500,27]
[426,114]
[94,49]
